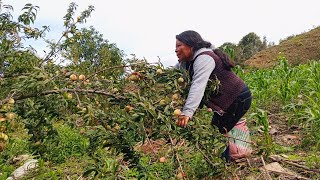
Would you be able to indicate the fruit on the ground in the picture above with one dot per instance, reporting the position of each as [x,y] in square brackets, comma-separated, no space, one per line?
[162,159]
[82,131]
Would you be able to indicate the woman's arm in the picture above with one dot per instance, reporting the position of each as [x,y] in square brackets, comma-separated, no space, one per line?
[202,67]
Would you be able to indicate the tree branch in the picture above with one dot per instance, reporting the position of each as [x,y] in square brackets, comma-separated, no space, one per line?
[44,93]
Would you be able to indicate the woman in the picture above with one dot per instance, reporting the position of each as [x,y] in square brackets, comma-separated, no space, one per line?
[233,98]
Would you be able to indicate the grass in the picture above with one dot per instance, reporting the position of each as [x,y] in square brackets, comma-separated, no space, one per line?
[299,49]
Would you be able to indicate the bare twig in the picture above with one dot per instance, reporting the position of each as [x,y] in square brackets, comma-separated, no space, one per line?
[249,162]
[280,159]
[205,156]
[79,102]
[172,146]
[52,52]
[266,170]
[115,67]
[15,75]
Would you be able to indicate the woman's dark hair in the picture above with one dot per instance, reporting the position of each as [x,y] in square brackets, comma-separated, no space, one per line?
[227,62]
[193,39]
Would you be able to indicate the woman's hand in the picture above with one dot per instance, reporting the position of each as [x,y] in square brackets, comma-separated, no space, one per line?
[183,121]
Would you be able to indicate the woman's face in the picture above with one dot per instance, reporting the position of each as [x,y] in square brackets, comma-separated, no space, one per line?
[183,51]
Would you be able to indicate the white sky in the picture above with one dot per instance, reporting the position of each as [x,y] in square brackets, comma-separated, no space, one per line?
[147,28]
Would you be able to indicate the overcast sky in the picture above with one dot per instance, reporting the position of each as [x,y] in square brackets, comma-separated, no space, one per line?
[147,28]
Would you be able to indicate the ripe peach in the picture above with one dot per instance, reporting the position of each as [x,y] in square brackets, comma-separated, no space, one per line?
[73,77]
[82,77]
[2,119]
[162,159]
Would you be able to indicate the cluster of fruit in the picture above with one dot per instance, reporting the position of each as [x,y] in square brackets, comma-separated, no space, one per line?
[6,115]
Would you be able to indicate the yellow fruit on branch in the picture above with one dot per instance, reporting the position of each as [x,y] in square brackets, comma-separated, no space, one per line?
[133,77]
[73,77]
[64,71]
[11,101]
[11,115]
[159,71]
[128,108]
[177,112]
[3,136]
[2,119]
[69,96]
[181,80]
[82,131]
[117,127]
[114,90]
[175,97]
[65,34]
[136,73]
[82,77]
[180,175]
[163,102]
[5,107]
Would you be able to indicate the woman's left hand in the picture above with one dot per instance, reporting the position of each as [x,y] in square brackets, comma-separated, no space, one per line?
[183,121]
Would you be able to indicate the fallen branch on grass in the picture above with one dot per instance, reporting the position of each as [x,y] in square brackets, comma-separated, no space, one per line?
[281,159]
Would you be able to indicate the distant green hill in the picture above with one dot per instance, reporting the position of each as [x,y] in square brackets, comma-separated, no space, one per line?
[298,49]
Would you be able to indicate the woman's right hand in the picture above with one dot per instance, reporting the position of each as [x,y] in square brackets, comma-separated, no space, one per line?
[183,121]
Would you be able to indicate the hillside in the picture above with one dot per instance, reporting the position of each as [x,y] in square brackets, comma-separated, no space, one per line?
[298,50]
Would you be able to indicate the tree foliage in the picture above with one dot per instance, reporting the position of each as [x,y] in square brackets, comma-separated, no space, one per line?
[249,45]
[83,100]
